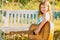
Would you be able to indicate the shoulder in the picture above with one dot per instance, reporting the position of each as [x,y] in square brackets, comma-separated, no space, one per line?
[47,16]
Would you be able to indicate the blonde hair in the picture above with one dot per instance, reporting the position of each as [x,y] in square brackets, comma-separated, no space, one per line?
[49,9]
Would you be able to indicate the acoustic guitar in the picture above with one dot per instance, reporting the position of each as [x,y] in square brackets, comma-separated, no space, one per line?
[43,33]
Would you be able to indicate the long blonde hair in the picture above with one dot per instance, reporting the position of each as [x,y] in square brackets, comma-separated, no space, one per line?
[49,9]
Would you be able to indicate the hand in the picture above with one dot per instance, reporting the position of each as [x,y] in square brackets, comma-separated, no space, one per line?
[37,31]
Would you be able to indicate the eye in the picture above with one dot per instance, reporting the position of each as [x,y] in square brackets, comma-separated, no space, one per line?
[44,7]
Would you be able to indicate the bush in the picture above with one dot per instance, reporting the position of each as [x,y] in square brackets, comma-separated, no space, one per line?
[24,2]
[57,35]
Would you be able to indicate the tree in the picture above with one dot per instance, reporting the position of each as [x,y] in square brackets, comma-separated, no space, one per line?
[24,2]
[0,3]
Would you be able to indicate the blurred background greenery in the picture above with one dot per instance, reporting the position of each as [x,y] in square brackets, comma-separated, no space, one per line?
[26,4]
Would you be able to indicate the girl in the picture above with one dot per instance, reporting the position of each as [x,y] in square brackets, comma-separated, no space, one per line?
[44,21]
[45,15]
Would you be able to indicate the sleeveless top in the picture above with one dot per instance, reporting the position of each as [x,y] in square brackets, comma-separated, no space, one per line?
[51,25]
[39,20]
[47,17]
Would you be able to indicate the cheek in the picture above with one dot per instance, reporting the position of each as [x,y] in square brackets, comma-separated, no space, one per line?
[42,9]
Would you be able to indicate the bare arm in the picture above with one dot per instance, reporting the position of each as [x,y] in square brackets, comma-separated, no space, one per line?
[42,23]
[46,17]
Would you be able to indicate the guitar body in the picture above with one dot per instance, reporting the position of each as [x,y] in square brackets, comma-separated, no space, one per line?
[43,33]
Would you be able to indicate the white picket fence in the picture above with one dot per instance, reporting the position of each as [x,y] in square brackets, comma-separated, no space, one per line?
[19,19]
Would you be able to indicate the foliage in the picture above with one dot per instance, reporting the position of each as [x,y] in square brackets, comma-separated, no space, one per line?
[0,3]
[57,35]
[24,1]
[9,0]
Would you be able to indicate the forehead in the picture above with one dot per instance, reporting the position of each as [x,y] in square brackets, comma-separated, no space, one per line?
[43,5]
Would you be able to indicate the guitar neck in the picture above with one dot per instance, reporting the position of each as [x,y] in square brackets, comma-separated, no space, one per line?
[21,32]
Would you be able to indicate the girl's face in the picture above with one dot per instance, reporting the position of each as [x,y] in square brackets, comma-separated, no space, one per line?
[44,8]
